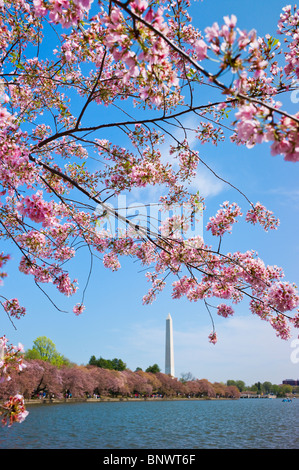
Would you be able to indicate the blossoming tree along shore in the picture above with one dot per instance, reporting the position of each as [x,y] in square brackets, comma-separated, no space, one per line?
[147,61]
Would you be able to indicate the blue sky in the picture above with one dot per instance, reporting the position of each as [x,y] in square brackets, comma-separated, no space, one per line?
[116,324]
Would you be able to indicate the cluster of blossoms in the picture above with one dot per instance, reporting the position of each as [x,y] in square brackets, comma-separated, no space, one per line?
[149,63]
[37,209]
[224,219]
[174,226]
[224,310]
[259,214]
[13,308]
[10,358]
[111,261]
[255,121]
[251,130]
[65,285]
[288,25]
[49,274]
[229,279]
[78,309]
[213,337]
[283,296]
[13,411]
[65,12]
[279,323]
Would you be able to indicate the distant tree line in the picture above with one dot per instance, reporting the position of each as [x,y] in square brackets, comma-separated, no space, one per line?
[264,388]
[41,378]
[49,373]
[118,364]
[110,364]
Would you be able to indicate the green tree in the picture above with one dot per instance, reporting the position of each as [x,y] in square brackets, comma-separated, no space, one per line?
[258,386]
[237,383]
[118,364]
[104,363]
[93,361]
[285,389]
[275,389]
[267,387]
[114,364]
[45,350]
[154,369]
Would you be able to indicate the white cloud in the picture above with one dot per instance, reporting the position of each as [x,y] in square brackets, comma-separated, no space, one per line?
[206,183]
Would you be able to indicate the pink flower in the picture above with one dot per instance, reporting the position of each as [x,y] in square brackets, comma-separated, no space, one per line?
[200,49]
[280,326]
[13,411]
[283,296]
[149,16]
[64,285]
[246,112]
[230,21]
[40,10]
[224,310]
[86,4]
[110,261]
[13,308]
[265,217]
[213,338]
[212,32]
[36,208]
[139,5]
[224,219]
[280,147]
[78,309]
[247,132]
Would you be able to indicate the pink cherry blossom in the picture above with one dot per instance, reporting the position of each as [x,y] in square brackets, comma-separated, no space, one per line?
[283,296]
[13,410]
[224,310]
[224,219]
[78,309]
[213,338]
[265,217]
[201,49]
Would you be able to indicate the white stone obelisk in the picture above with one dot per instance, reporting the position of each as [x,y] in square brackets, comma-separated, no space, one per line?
[169,356]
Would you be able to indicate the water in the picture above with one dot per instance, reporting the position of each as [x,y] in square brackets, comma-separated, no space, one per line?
[236,424]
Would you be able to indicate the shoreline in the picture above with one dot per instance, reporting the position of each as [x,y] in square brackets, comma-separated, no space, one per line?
[55,401]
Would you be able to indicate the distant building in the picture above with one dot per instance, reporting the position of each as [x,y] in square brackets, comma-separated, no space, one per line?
[292,382]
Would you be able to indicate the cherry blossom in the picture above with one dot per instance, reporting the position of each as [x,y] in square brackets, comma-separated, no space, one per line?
[213,338]
[224,310]
[11,357]
[78,309]
[265,217]
[224,219]
[13,411]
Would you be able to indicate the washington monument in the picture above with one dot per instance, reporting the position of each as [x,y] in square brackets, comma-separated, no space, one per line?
[169,357]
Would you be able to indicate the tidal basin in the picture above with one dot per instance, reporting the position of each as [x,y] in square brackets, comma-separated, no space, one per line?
[194,424]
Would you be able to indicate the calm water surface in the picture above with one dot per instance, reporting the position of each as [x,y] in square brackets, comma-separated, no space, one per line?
[240,424]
